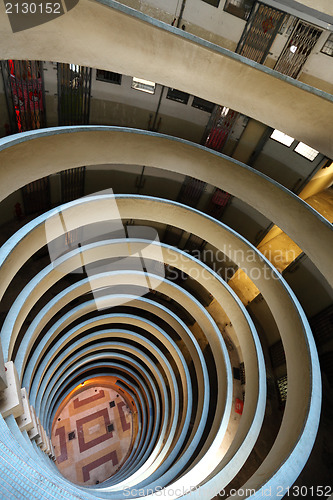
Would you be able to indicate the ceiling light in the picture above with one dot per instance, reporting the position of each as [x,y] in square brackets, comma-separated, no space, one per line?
[285,139]
[306,151]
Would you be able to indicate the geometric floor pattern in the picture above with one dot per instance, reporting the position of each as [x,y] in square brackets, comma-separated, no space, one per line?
[92,435]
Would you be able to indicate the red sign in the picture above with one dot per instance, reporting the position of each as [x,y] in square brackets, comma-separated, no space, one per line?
[239,405]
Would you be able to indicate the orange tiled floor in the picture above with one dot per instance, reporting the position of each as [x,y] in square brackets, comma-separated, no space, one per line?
[102,425]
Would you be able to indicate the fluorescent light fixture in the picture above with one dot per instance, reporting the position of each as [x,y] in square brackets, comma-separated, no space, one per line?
[285,139]
[306,151]
[143,85]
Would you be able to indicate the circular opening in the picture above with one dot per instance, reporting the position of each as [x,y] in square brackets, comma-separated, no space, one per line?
[93,431]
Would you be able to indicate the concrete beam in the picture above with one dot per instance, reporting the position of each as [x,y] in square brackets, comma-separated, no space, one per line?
[159,52]
[53,150]
[25,421]
[11,400]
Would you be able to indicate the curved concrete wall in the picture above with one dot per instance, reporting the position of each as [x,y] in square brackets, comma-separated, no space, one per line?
[294,437]
[158,349]
[51,151]
[167,55]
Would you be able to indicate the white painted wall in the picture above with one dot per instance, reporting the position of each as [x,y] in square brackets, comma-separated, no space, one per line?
[287,156]
[50,77]
[214,19]
[199,13]
[319,64]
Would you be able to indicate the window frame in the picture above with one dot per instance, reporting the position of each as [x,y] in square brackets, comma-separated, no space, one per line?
[243,12]
[212,2]
[329,42]
[144,83]
[202,107]
[103,79]
[174,98]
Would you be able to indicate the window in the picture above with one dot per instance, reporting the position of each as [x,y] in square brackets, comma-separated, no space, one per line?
[143,85]
[328,46]
[277,354]
[282,384]
[242,373]
[306,151]
[177,95]
[74,67]
[239,8]
[282,138]
[215,3]
[202,104]
[108,76]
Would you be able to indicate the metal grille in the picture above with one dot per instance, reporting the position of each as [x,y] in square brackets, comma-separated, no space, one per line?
[191,191]
[72,184]
[36,196]
[322,326]
[282,384]
[326,364]
[298,48]
[172,235]
[220,127]
[24,89]
[328,46]
[202,104]
[242,373]
[74,86]
[276,352]
[194,243]
[108,76]
[239,8]
[260,32]
[218,203]
[178,96]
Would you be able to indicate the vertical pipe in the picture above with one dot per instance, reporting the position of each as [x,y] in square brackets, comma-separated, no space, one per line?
[180,17]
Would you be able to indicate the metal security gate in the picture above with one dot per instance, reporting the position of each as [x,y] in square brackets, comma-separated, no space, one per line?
[24,90]
[74,86]
[36,196]
[218,203]
[74,92]
[260,32]
[220,127]
[72,184]
[191,191]
[297,49]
